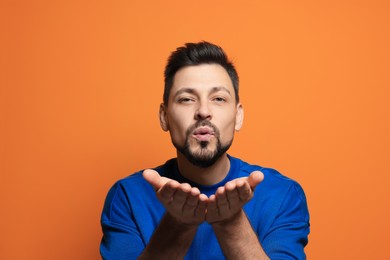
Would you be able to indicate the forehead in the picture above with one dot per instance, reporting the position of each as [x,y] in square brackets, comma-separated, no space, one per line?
[202,78]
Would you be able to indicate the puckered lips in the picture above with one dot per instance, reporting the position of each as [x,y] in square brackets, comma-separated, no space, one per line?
[203,133]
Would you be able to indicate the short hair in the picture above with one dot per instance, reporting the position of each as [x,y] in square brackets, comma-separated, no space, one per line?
[192,54]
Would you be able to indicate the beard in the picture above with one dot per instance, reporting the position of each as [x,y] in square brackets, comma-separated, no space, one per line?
[204,155]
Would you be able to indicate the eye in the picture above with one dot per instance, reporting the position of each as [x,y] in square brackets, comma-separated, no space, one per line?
[220,99]
[185,100]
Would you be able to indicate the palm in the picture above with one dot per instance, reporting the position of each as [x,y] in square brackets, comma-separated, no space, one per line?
[188,205]
[183,202]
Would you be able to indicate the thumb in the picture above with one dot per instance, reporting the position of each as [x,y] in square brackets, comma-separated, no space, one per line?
[255,178]
[153,178]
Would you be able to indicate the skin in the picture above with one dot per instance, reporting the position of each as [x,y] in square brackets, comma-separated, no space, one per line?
[203,92]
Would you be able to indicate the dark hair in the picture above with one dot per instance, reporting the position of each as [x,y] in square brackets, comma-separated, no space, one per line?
[192,54]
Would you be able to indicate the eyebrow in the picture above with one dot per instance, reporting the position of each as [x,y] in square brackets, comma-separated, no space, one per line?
[193,90]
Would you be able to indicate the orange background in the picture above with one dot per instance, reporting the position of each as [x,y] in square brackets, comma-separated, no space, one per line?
[81,82]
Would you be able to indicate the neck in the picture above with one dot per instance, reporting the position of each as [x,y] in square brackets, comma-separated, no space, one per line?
[204,176]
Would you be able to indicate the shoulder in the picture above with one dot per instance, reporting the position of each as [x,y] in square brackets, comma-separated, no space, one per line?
[272,177]
[136,182]
[278,200]
[133,189]
[117,203]
[276,187]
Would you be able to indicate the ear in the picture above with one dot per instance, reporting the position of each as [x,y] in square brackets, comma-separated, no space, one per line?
[163,117]
[239,117]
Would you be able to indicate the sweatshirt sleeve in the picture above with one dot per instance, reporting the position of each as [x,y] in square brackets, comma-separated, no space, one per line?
[289,231]
[121,237]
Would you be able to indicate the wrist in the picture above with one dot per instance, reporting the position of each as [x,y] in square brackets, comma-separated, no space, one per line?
[229,223]
[171,239]
[177,224]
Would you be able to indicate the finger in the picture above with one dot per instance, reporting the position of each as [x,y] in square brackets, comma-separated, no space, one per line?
[222,202]
[232,193]
[180,197]
[212,203]
[153,178]
[191,203]
[200,210]
[211,209]
[193,198]
[166,192]
[244,191]
[255,178]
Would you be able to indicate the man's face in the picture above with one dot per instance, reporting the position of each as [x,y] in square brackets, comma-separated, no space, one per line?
[202,113]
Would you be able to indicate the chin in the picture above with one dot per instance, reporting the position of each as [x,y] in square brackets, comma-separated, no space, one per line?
[203,154]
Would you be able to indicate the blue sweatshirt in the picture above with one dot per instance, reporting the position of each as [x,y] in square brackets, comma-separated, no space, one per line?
[277,212]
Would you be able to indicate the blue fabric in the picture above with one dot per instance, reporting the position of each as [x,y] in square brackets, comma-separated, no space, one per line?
[278,213]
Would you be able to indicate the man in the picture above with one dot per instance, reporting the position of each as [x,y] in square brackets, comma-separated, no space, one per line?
[204,204]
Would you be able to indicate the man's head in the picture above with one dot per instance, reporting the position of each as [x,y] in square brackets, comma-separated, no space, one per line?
[192,54]
[201,108]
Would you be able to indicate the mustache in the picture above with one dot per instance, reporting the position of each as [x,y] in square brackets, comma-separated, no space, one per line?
[200,123]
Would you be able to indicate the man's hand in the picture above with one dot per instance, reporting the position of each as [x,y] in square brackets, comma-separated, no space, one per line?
[187,205]
[228,201]
[184,203]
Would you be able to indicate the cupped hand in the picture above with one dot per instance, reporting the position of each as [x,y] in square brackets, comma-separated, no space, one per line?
[183,202]
[229,199]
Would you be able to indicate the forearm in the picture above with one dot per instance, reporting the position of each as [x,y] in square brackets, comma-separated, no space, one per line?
[237,238]
[170,240]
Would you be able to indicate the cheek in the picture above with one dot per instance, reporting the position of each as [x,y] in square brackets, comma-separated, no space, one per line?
[227,128]
[178,127]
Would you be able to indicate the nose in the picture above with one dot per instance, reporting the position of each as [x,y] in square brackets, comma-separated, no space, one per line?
[203,111]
